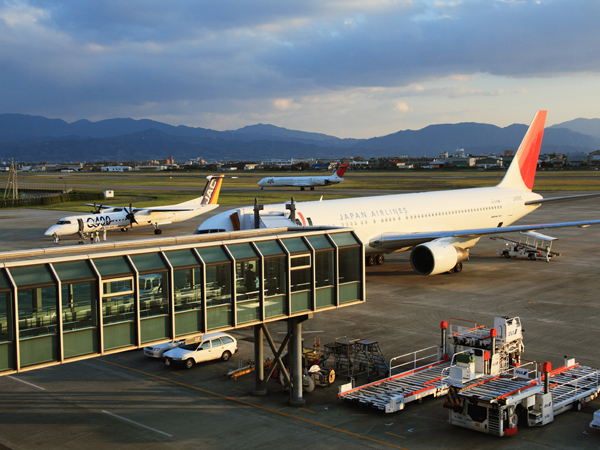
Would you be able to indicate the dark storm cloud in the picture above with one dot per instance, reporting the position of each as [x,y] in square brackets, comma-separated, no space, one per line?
[97,58]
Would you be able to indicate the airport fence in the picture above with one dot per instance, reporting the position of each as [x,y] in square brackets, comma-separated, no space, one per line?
[53,198]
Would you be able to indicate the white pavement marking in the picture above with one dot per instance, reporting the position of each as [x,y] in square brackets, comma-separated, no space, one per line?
[26,382]
[138,424]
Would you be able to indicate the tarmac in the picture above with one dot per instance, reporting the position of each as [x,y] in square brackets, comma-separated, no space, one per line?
[130,401]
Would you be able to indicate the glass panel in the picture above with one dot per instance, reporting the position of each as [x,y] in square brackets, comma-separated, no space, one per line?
[117,287]
[148,261]
[218,317]
[300,279]
[275,306]
[350,292]
[270,248]
[301,301]
[350,264]
[154,329]
[74,270]
[119,335]
[188,322]
[37,311]
[242,251]
[4,281]
[38,350]
[319,242]
[324,268]
[79,305]
[247,283]
[300,261]
[7,359]
[154,294]
[118,309]
[275,276]
[212,254]
[182,258]
[343,239]
[218,285]
[30,275]
[325,297]
[295,245]
[248,311]
[188,289]
[6,317]
[83,342]
[112,266]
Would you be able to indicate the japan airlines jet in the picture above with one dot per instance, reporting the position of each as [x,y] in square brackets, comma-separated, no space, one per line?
[112,218]
[438,227]
[303,182]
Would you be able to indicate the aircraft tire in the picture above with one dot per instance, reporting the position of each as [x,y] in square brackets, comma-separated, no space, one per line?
[458,267]
[301,188]
[312,188]
[158,231]
[371,260]
[507,255]
[380,260]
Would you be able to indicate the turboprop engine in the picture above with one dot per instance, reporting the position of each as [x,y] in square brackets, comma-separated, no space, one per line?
[436,257]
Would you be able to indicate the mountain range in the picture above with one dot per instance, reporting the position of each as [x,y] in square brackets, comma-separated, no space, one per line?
[35,138]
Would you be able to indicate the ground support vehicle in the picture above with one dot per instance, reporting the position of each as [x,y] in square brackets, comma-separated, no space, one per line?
[158,350]
[596,422]
[201,349]
[522,396]
[532,246]
[467,353]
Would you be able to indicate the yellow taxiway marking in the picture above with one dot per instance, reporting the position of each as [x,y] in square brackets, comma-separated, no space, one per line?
[237,390]
[307,410]
[397,435]
[236,400]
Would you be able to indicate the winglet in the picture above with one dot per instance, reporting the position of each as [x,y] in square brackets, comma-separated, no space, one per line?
[521,172]
[210,196]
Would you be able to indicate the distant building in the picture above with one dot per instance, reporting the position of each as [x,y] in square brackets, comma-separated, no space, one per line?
[594,157]
[250,166]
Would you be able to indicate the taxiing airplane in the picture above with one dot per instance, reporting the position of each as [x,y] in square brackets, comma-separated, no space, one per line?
[439,227]
[112,218]
[304,182]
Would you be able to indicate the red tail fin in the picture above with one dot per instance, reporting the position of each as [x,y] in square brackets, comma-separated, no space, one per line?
[341,170]
[521,172]
[210,196]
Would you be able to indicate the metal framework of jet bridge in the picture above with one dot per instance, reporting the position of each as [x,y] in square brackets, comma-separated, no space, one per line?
[64,304]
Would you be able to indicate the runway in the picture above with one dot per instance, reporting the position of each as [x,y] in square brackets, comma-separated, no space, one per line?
[130,401]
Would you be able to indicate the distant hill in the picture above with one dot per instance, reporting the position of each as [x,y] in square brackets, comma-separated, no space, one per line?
[590,127]
[36,138]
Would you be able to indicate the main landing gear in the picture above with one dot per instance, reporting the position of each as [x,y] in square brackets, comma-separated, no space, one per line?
[457,268]
[375,259]
[156,229]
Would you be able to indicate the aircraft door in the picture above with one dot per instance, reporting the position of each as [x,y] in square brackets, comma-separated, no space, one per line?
[80,222]
[509,206]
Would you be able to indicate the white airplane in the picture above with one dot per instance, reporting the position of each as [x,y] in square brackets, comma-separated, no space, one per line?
[112,218]
[439,227]
[304,182]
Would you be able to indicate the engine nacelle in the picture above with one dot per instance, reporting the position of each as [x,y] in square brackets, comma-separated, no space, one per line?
[436,257]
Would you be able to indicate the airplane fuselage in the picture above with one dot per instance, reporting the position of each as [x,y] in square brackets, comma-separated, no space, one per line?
[373,217]
[298,181]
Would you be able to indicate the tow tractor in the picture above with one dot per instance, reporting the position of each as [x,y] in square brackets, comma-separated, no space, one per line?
[468,351]
[522,396]
[531,245]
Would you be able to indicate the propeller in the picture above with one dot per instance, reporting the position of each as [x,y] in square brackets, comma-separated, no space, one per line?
[97,209]
[130,216]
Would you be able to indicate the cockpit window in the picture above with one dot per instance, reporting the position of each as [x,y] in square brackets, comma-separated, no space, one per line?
[63,222]
[215,230]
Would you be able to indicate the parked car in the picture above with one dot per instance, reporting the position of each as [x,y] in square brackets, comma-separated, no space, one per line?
[158,350]
[209,347]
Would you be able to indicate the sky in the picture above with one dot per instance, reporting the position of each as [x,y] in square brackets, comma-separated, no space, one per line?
[347,68]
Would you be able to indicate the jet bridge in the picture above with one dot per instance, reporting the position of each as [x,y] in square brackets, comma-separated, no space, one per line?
[64,304]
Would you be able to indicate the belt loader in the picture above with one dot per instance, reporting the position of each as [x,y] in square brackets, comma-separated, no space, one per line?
[521,396]
[466,353]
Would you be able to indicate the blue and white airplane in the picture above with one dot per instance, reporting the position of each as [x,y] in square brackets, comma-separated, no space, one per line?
[113,218]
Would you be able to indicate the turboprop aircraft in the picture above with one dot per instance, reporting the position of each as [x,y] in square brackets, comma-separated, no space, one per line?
[304,182]
[439,227]
[112,217]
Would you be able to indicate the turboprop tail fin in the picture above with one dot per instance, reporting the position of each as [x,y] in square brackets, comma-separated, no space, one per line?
[521,172]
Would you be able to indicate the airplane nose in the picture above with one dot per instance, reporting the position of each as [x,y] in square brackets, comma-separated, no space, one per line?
[49,231]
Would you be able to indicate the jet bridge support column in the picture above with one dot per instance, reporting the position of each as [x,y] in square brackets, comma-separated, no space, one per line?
[295,329]
[259,370]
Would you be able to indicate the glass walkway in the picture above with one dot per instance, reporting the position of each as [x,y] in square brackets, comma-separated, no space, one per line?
[69,303]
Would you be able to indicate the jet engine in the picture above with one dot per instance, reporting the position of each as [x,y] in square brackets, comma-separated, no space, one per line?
[436,257]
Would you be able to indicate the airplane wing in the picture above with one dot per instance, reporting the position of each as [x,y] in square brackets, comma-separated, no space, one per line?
[392,241]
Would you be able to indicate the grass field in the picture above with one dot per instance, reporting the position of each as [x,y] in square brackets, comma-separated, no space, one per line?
[243,189]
